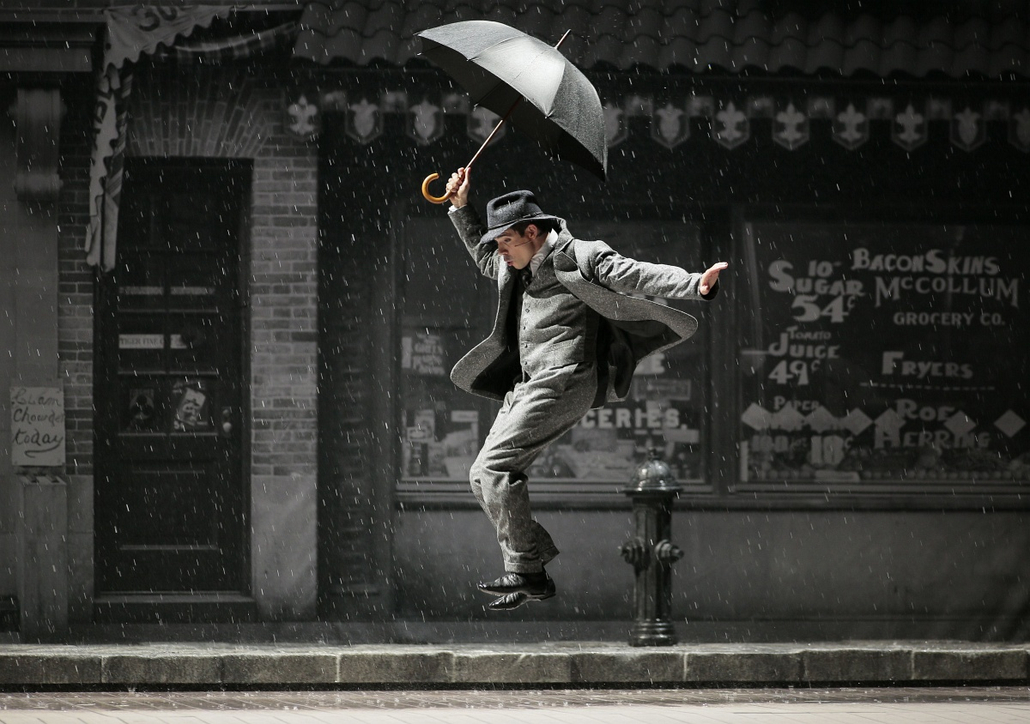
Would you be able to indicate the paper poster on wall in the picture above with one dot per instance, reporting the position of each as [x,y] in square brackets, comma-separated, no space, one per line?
[886,352]
[191,403]
[37,426]
[440,443]
[424,354]
[140,413]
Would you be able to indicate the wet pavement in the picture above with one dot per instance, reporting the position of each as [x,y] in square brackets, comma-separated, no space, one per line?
[893,705]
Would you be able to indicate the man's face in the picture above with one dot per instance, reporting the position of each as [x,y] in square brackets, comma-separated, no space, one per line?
[517,249]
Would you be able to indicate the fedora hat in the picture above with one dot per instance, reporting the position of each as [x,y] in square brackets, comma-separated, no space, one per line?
[512,208]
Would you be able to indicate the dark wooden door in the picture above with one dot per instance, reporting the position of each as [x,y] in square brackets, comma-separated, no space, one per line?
[169,502]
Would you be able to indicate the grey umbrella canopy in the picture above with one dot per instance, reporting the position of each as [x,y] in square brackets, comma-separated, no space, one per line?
[510,72]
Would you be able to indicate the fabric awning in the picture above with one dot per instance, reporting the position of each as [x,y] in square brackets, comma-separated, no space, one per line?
[131,34]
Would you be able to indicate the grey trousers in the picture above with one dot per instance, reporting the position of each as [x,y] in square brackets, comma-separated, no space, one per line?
[534,414]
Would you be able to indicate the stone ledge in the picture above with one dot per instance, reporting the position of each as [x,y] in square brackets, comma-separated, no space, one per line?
[637,666]
[163,668]
[857,665]
[747,667]
[284,667]
[404,666]
[999,664]
[48,668]
[566,663]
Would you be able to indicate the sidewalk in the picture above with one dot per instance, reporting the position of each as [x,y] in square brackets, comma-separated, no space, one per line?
[894,705]
[573,664]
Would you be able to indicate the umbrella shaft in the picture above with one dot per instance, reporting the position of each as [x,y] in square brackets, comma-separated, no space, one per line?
[492,134]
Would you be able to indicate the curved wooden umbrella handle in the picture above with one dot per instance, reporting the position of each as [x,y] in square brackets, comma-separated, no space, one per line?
[425,190]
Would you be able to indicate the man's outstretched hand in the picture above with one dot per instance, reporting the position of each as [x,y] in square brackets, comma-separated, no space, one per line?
[711,276]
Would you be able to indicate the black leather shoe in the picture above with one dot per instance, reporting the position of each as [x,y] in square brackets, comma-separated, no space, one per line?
[534,586]
[508,602]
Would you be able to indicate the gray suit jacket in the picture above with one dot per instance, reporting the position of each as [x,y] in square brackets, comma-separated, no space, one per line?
[596,276]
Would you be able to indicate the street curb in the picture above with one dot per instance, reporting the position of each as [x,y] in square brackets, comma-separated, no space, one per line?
[550,664]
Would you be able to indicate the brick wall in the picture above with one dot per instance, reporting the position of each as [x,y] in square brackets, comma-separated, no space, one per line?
[283,312]
[75,346]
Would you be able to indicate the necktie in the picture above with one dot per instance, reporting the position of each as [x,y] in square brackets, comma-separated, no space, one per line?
[527,277]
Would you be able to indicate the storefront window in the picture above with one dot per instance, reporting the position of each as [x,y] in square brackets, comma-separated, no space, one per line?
[441,423]
[448,307]
[445,308]
[885,357]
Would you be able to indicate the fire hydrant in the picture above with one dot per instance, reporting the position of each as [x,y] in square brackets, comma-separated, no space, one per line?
[651,553]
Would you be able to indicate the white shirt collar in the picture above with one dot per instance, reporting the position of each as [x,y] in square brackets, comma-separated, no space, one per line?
[543,251]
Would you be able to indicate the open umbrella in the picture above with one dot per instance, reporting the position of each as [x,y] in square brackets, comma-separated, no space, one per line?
[501,67]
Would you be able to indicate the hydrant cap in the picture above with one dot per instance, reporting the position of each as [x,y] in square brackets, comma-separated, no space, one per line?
[653,476]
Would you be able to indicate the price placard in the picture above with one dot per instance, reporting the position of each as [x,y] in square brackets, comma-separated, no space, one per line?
[891,352]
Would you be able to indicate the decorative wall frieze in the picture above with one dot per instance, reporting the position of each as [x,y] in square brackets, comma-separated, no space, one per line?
[672,120]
